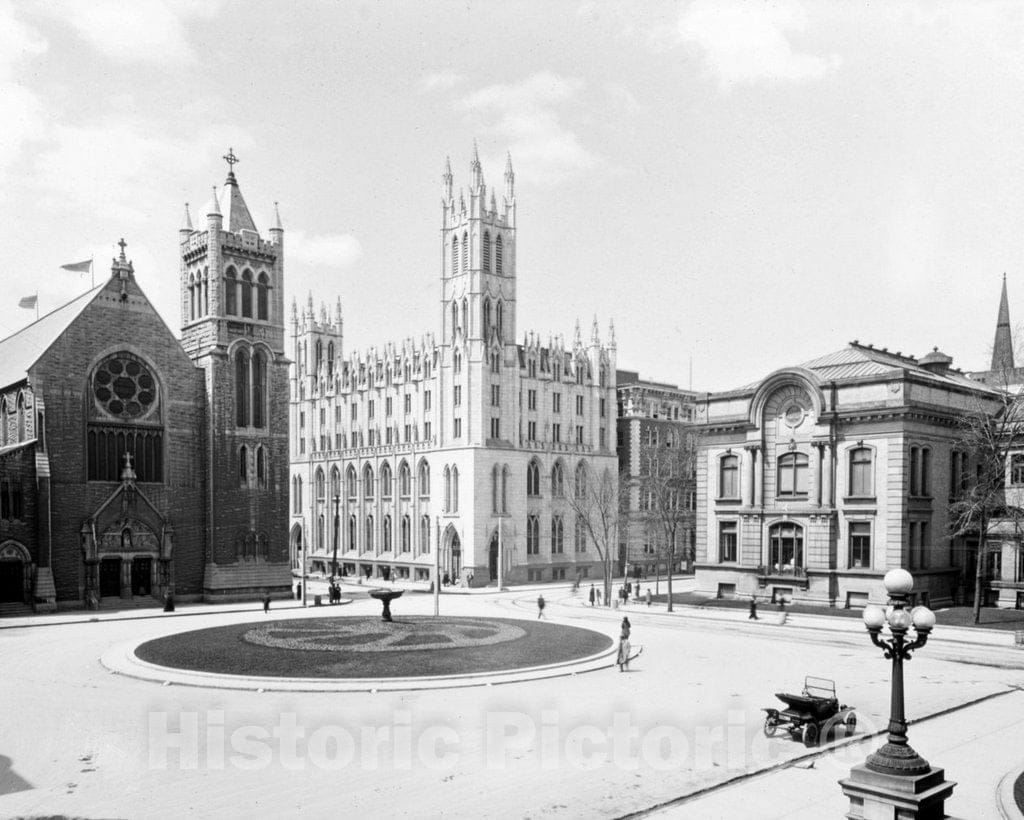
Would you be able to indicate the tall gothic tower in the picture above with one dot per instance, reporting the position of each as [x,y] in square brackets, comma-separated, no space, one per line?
[478,304]
[232,326]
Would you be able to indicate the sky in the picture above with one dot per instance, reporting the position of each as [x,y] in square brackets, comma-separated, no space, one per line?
[740,187]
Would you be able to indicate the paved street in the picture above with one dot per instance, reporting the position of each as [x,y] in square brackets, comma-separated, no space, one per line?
[79,740]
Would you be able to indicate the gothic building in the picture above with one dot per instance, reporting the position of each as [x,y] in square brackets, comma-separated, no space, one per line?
[463,440]
[132,464]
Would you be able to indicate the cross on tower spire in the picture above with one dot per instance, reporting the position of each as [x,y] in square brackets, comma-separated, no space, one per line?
[231,159]
[122,244]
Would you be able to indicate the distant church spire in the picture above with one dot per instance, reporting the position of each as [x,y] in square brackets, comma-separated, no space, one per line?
[1002,350]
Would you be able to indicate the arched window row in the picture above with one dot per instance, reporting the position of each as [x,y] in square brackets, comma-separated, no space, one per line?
[246,295]
[451,489]
[252,466]
[105,450]
[198,294]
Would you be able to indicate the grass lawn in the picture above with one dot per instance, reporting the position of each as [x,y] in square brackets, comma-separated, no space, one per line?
[366,647]
[991,617]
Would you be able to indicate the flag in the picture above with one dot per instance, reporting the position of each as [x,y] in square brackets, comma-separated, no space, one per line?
[78,267]
[28,302]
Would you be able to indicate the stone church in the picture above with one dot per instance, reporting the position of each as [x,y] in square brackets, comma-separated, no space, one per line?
[134,464]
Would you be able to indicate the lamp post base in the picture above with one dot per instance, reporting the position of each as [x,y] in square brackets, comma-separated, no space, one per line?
[881,796]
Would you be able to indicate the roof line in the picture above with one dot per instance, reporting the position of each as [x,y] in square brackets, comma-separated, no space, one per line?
[97,288]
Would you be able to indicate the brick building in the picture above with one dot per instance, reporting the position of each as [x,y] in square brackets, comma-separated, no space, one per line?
[654,417]
[132,464]
[434,443]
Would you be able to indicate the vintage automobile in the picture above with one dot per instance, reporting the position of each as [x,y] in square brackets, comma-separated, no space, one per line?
[812,715]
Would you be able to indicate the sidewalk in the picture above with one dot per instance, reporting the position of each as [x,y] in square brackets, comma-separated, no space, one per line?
[961,741]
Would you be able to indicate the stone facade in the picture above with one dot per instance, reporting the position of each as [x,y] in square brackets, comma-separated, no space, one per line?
[433,441]
[820,478]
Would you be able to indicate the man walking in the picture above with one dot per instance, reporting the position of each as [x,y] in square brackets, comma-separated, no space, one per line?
[540,607]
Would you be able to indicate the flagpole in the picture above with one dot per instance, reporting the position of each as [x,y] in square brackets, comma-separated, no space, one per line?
[37,305]
[92,273]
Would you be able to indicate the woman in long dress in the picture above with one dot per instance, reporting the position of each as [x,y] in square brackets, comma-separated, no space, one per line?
[623,659]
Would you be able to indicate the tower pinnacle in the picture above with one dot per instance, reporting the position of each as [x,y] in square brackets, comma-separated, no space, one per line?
[510,179]
[1002,349]
[446,180]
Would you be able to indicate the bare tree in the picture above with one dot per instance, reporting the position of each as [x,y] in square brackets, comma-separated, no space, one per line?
[990,434]
[594,500]
[667,479]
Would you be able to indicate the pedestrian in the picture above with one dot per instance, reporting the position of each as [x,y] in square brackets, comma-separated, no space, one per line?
[753,609]
[446,580]
[540,606]
[648,596]
[623,657]
[266,602]
[597,595]
[592,594]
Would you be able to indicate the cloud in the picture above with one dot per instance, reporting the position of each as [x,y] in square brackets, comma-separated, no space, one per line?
[143,31]
[748,42]
[330,251]
[24,114]
[528,117]
[440,81]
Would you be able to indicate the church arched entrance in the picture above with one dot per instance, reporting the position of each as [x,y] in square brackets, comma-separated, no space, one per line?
[452,563]
[15,569]
[295,546]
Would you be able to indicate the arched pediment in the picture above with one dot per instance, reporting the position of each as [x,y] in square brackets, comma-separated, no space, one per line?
[793,392]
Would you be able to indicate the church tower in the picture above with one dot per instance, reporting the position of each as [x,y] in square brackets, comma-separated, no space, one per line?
[478,305]
[232,326]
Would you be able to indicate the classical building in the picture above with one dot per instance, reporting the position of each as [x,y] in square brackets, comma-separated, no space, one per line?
[133,464]
[461,440]
[815,481]
[652,416]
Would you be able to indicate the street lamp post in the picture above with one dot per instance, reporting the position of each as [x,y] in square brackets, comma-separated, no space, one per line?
[437,568]
[337,524]
[895,777]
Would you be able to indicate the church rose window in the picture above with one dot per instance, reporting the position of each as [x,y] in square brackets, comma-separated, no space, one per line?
[124,387]
[124,419]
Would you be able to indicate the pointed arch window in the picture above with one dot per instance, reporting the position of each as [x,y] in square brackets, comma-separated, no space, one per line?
[335,483]
[487,252]
[558,480]
[465,253]
[259,389]
[368,481]
[533,478]
[581,480]
[350,483]
[455,255]
[498,255]
[532,535]
[385,480]
[455,490]
[406,535]
[504,488]
[3,422]
[243,465]
[557,535]
[386,534]
[193,297]
[261,467]
[424,479]
[404,480]
[297,495]
[242,388]
[20,417]
[465,317]
[368,542]
[352,533]
[320,533]
[495,488]
[263,298]
[247,288]
[498,320]
[231,292]
[319,485]
[455,317]
[206,293]
[425,533]
[487,318]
